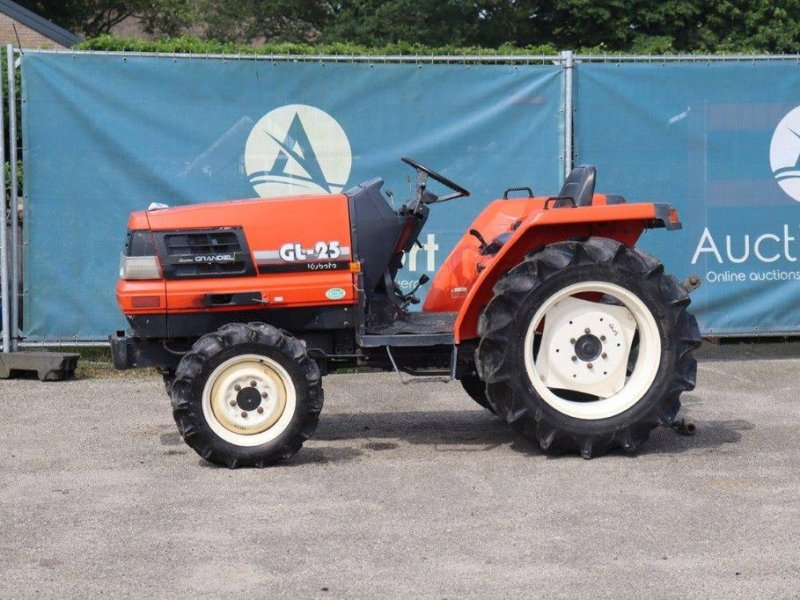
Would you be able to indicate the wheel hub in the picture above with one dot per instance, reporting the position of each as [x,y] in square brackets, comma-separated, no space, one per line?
[588,347]
[585,347]
[248,399]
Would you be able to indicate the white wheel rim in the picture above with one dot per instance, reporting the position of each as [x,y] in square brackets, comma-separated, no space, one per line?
[245,414]
[604,376]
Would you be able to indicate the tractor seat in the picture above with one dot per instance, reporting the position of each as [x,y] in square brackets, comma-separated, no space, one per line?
[579,185]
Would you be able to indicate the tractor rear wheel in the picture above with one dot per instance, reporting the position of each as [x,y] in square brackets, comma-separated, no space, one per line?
[246,395]
[476,389]
[168,375]
[587,346]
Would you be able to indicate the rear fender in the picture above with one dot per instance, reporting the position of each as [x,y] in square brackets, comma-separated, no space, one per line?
[623,223]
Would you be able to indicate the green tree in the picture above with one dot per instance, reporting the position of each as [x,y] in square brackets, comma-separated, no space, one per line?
[427,22]
[749,25]
[247,21]
[95,17]
[638,26]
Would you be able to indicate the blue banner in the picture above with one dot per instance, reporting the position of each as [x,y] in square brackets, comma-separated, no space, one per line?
[721,141]
[108,134]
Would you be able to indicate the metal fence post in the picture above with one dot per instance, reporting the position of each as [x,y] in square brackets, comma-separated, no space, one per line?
[4,285]
[12,158]
[568,59]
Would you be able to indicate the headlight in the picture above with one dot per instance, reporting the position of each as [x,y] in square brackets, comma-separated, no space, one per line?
[139,267]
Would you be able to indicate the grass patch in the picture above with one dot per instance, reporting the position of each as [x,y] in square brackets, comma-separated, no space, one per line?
[95,363]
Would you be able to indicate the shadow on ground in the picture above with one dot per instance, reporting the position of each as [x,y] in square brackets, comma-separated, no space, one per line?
[471,431]
[468,431]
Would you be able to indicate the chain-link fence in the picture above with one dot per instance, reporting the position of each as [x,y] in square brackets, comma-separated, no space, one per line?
[105,133]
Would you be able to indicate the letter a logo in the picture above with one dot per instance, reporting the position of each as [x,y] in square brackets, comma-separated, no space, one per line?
[297,149]
[784,154]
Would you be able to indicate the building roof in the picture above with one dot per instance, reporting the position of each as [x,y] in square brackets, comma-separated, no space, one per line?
[39,24]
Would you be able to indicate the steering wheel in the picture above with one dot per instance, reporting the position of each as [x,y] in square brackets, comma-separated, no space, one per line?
[423,173]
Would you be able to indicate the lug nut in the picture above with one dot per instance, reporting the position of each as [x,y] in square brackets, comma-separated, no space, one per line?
[244,414]
[263,394]
[252,383]
[602,338]
[574,358]
[604,355]
[237,387]
[571,340]
[233,402]
[260,410]
[589,366]
[587,330]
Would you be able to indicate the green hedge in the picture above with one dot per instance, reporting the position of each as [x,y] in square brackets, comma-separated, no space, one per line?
[647,46]
[190,45]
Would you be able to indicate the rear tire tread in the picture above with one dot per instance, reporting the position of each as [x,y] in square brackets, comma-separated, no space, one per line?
[476,389]
[501,315]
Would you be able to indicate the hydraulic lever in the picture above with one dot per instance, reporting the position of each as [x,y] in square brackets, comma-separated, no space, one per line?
[481,239]
[410,298]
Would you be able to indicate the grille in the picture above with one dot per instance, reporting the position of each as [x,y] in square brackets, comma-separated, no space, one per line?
[205,254]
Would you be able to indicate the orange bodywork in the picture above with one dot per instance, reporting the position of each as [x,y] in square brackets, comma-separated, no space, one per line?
[268,225]
[463,284]
[465,281]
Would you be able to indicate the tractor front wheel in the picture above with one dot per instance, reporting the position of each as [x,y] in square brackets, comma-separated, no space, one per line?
[246,395]
[587,346]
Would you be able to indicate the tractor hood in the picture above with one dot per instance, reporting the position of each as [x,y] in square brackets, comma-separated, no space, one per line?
[230,213]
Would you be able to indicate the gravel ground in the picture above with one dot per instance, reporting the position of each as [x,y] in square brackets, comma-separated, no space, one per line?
[405,491]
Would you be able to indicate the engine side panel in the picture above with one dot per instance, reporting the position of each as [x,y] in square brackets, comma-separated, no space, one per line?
[298,254]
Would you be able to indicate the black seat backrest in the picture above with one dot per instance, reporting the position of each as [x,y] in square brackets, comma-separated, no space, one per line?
[579,185]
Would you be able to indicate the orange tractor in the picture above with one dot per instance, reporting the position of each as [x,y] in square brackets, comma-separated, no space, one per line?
[544,311]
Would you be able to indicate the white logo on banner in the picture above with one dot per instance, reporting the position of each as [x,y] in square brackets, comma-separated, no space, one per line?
[297,149]
[784,154]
